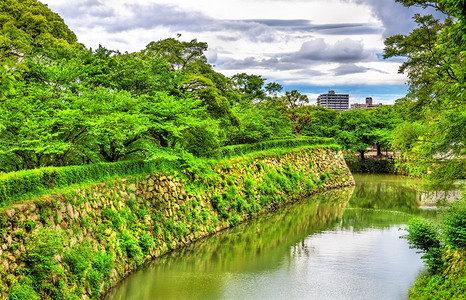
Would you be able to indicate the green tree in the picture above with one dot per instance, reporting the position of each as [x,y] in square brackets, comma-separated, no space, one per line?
[273,88]
[384,120]
[435,66]
[295,108]
[178,54]
[324,122]
[27,26]
[250,87]
[355,130]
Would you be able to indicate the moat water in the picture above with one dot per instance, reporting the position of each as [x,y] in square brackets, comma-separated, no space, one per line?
[341,244]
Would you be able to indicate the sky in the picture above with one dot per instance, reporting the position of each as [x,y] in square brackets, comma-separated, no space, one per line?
[312,46]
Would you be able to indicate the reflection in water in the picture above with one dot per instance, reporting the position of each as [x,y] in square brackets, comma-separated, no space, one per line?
[342,244]
[398,193]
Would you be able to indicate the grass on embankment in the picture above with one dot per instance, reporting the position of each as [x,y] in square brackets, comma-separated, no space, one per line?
[19,186]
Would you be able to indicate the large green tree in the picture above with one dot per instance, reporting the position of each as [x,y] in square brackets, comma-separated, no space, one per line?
[355,131]
[295,107]
[178,53]
[324,122]
[435,65]
[28,25]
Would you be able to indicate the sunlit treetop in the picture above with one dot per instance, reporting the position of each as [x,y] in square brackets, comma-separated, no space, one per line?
[28,25]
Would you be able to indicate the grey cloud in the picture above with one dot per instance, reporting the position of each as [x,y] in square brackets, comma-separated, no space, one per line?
[252,62]
[154,15]
[396,18]
[82,9]
[150,16]
[346,50]
[282,23]
[301,25]
[346,69]
[311,53]
[348,29]
[228,38]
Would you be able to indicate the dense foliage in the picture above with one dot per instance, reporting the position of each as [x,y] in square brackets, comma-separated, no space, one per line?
[444,248]
[435,64]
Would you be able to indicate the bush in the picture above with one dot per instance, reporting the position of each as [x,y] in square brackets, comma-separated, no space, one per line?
[102,262]
[95,280]
[454,224]
[78,259]
[422,235]
[41,248]
[146,242]
[130,246]
[29,183]
[425,236]
[239,150]
[449,284]
[370,166]
[23,291]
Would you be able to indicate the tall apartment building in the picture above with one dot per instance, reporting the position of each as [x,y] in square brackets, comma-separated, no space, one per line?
[334,101]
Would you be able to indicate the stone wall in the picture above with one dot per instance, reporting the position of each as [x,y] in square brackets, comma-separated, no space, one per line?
[80,243]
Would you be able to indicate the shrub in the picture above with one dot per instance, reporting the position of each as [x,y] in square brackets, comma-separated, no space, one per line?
[454,224]
[41,248]
[324,176]
[220,206]
[130,246]
[23,291]
[113,217]
[78,259]
[240,150]
[28,183]
[235,220]
[146,242]
[370,166]
[422,235]
[95,279]
[29,225]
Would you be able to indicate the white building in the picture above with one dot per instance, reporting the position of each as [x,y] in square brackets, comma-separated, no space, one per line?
[334,101]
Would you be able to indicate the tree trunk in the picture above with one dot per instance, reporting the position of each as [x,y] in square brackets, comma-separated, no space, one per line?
[379,150]
[361,152]
[298,133]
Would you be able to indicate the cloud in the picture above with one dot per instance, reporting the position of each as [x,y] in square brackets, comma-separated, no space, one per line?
[92,14]
[150,16]
[305,41]
[313,52]
[346,50]
[301,25]
[346,69]
[82,10]
[396,18]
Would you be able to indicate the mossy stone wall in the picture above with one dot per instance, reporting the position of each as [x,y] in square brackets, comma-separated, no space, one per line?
[80,243]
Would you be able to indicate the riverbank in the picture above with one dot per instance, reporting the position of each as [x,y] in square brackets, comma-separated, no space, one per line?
[81,242]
